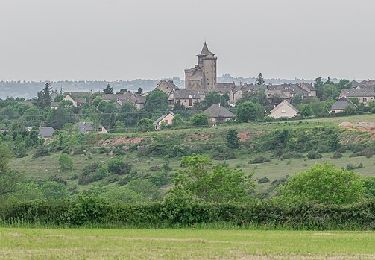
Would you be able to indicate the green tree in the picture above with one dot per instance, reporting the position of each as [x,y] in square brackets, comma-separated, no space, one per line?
[65,162]
[259,80]
[108,89]
[44,97]
[200,181]
[5,156]
[249,111]
[324,184]
[233,141]
[156,101]
[146,125]
[199,119]
[118,166]
[215,98]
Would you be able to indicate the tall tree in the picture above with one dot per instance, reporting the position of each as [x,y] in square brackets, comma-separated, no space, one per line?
[44,97]
[259,80]
[108,89]
[156,101]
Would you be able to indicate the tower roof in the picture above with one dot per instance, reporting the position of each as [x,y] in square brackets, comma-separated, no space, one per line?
[205,50]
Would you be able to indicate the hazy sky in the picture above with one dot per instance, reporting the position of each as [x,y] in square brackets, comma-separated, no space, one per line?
[128,39]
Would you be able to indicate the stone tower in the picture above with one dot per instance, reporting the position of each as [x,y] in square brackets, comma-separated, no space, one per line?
[203,76]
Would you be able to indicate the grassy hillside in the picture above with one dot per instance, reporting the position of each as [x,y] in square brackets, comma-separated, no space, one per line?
[103,148]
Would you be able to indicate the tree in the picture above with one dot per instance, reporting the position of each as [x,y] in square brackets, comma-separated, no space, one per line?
[146,125]
[118,166]
[59,117]
[249,111]
[65,162]
[44,97]
[200,181]
[233,141]
[215,98]
[199,119]
[324,184]
[259,80]
[156,101]
[140,91]
[5,156]
[108,89]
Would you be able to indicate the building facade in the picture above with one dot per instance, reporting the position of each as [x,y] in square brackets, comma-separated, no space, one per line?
[203,76]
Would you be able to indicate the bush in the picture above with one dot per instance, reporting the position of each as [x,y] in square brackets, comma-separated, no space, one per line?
[41,151]
[312,155]
[199,120]
[94,211]
[65,162]
[264,180]
[91,173]
[119,167]
[324,184]
[259,159]
[336,155]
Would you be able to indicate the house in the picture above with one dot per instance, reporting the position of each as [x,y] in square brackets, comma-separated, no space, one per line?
[186,97]
[55,105]
[77,98]
[46,132]
[164,120]
[167,86]
[288,91]
[218,114]
[88,127]
[284,110]
[340,106]
[140,102]
[120,99]
[363,95]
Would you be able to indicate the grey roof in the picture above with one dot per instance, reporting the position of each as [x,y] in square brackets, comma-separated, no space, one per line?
[217,111]
[205,50]
[78,94]
[187,93]
[341,105]
[46,132]
[85,127]
[357,93]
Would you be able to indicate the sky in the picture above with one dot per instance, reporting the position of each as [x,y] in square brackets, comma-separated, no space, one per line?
[153,39]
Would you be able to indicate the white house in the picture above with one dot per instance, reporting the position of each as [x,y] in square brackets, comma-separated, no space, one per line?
[284,110]
[164,120]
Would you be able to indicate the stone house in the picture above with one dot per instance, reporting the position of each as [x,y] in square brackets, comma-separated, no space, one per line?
[167,86]
[77,98]
[46,132]
[185,97]
[164,120]
[340,106]
[284,110]
[218,114]
[364,95]
[88,127]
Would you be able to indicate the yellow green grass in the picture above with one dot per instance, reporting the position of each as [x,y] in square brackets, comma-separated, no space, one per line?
[18,243]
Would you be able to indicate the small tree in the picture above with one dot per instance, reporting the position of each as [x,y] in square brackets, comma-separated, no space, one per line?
[140,91]
[233,141]
[65,162]
[44,97]
[118,166]
[249,111]
[199,119]
[146,125]
[199,180]
[323,184]
[156,101]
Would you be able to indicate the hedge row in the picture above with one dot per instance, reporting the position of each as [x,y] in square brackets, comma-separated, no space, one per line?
[86,213]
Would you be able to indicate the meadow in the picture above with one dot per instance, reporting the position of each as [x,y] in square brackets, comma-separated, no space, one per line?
[19,243]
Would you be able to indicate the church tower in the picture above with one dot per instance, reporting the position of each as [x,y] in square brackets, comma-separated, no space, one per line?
[203,76]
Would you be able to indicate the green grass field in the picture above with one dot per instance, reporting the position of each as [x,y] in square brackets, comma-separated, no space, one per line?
[183,244]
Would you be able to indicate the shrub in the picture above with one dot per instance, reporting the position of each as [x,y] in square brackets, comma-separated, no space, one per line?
[324,184]
[336,155]
[199,120]
[119,167]
[91,173]
[312,155]
[264,180]
[41,151]
[65,162]
[259,159]
[233,141]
